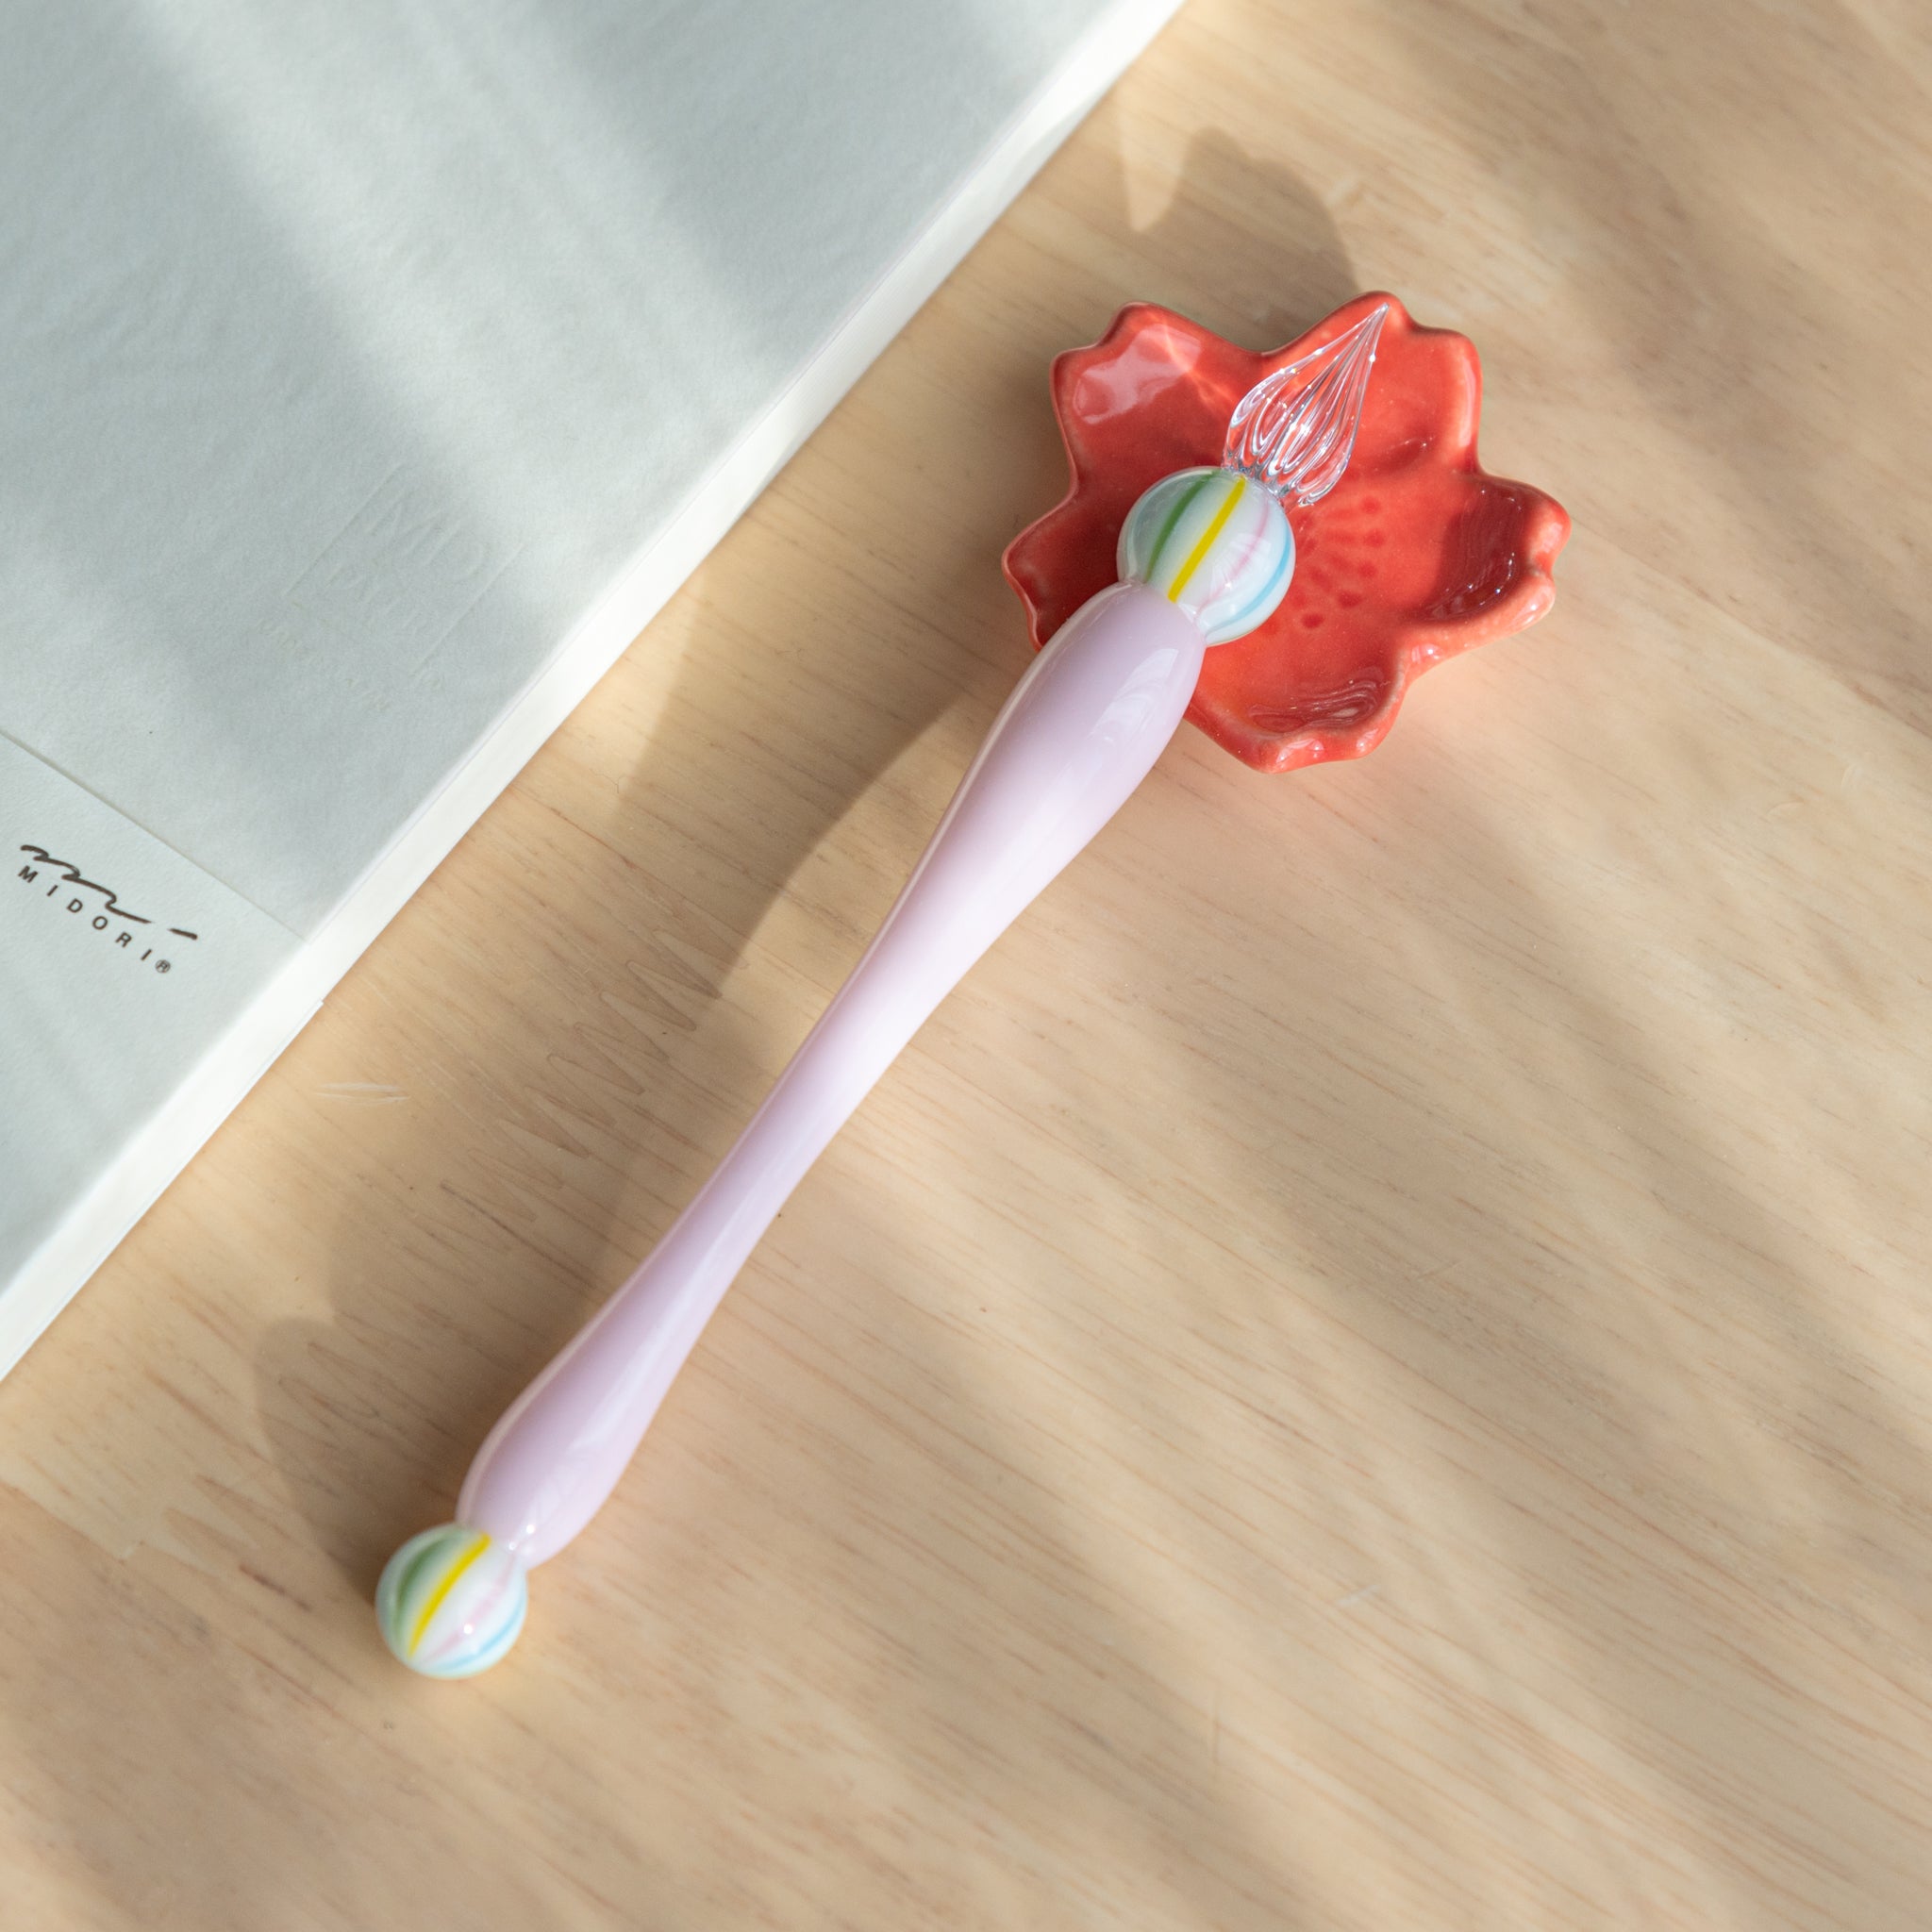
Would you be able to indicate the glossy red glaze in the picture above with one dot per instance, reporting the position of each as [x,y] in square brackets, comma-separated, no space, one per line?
[1415,555]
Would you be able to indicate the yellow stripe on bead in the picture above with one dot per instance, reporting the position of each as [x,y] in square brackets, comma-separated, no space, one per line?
[1207,536]
[440,1593]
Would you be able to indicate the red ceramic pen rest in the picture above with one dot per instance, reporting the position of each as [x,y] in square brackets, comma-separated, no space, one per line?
[1416,554]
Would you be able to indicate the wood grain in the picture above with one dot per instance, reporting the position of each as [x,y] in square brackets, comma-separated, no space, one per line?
[1371,1369]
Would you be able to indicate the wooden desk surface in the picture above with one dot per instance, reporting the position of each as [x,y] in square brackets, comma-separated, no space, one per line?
[1372,1368]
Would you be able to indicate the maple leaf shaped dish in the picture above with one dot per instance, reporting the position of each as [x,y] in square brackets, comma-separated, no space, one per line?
[1415,555]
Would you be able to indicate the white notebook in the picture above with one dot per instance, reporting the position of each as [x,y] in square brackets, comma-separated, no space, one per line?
[370,375]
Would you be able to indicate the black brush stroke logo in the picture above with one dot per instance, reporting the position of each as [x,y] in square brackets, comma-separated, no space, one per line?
[69,876]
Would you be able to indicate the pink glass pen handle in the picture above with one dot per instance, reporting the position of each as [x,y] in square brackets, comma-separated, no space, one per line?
[1081,730]
[1078,734]
[1205,556]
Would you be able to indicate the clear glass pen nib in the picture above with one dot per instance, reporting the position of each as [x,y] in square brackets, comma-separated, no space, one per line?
[1294,431]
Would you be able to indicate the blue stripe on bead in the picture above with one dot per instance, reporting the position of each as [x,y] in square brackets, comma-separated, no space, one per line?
[1260,603]
[469,1663]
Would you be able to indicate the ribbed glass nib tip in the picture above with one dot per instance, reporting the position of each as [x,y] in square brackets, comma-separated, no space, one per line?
[1294,430]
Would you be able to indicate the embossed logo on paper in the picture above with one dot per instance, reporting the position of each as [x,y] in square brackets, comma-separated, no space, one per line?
[134,933]
[404,568]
